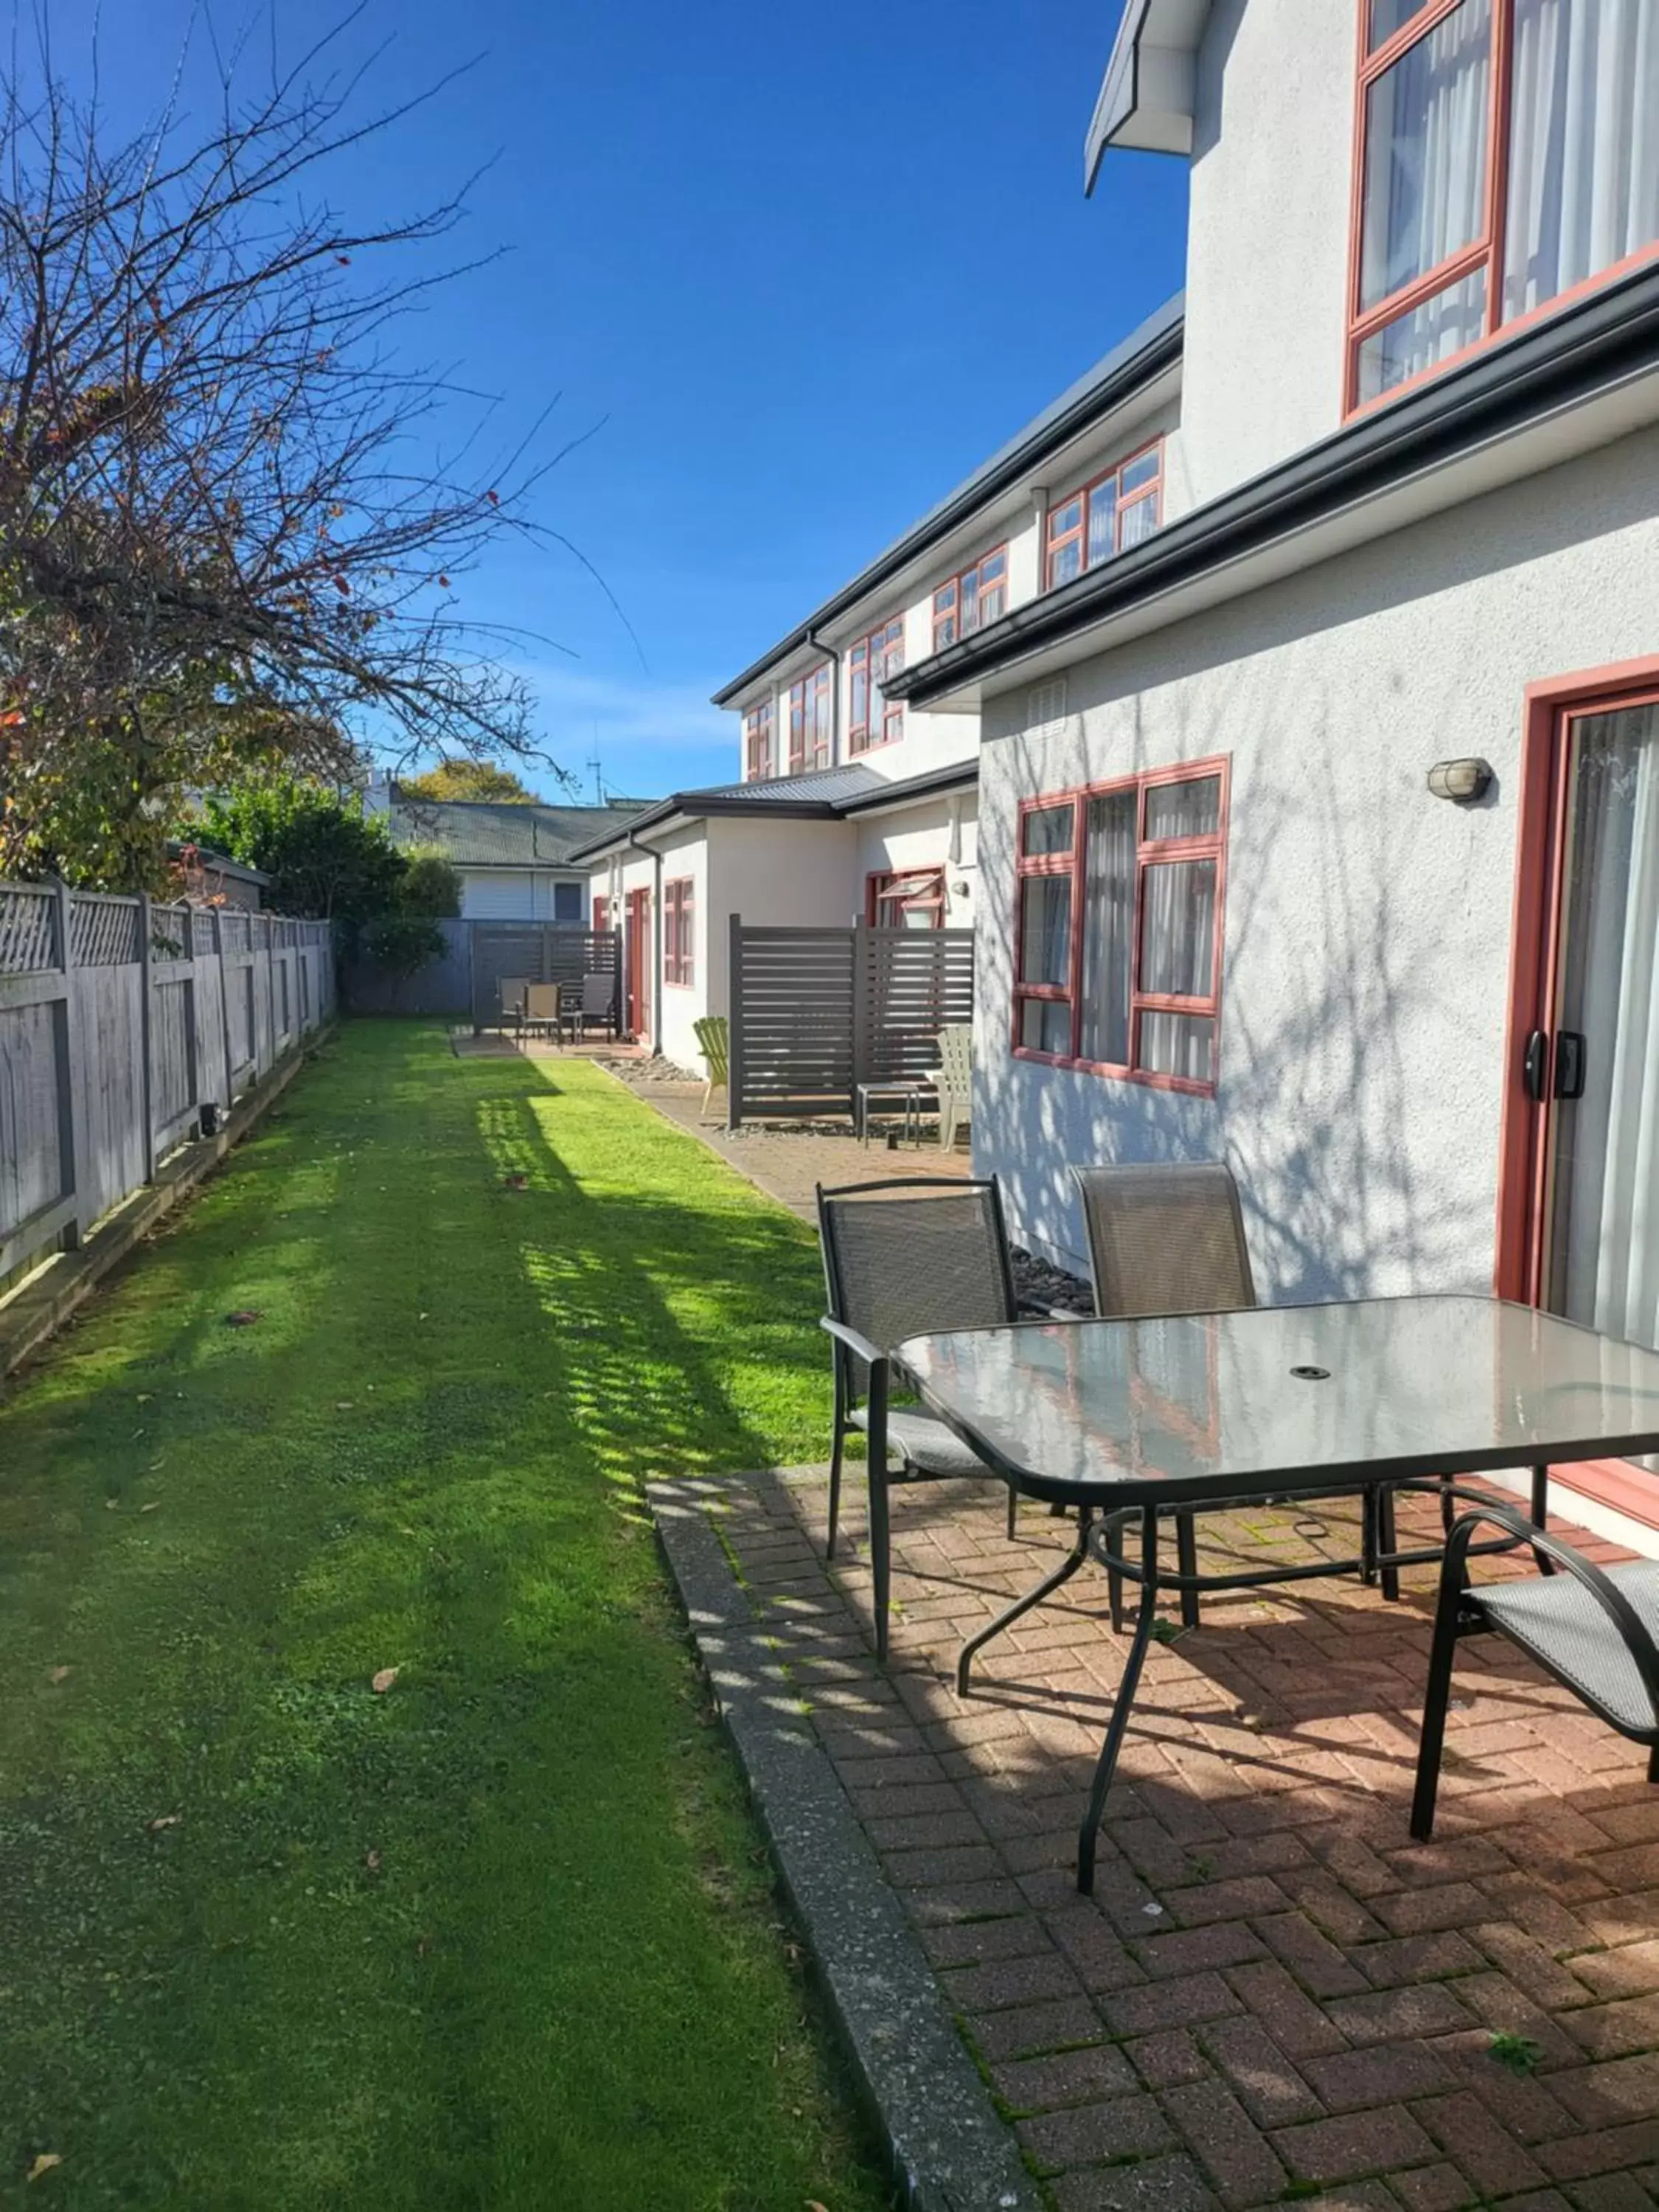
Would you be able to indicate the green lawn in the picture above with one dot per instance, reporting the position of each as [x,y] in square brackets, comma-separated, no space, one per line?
[502,1935]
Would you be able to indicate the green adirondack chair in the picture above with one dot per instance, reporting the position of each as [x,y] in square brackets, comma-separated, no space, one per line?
[711,1034]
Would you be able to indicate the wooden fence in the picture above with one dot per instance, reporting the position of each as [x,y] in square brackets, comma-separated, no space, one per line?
[119,1020]
[536,952]
[815,1012]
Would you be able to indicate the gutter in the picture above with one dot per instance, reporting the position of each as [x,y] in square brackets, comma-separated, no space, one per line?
[1578,355]
[821,645]
[1159,349]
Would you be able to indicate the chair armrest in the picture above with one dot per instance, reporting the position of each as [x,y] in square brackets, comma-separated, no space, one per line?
[1608,1595]
[859,1346]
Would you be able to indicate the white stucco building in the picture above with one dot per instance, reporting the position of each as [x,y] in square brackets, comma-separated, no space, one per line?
[850,803]
[1412,517]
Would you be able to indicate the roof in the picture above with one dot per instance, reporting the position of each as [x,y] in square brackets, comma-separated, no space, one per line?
[1602,350]
[1154,347]
[1147,99]
[221,863]
[824,795]
[498,834]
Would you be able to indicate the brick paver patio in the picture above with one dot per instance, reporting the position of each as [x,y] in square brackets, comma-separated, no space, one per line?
[1275,1996]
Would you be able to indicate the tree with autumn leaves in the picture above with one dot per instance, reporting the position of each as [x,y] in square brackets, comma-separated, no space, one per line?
[219,555]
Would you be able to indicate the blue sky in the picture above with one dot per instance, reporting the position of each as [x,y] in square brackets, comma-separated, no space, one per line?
[808,266]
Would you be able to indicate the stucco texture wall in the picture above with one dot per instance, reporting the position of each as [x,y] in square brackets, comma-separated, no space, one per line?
[1367,925]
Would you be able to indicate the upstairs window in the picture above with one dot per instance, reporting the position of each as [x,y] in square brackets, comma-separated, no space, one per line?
[810,722]
[759,758]
[1118,968]
[1118,509]
[677,919]
[972,599]
[873,719]
[1506,157]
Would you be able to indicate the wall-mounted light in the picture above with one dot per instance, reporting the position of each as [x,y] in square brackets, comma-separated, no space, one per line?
[1462,781]
[959,889]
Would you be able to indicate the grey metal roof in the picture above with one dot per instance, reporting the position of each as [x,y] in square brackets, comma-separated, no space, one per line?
[824,795]
[1143,354]
[487,834]
[1147,97]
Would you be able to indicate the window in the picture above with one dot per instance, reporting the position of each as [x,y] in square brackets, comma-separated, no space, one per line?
[872,717]
[1117,511]
[676,916]
[810,730]
[567,902]
[1119,927]
[910,898]
[971,600]
[1504,159]
[757,756]
[601,911]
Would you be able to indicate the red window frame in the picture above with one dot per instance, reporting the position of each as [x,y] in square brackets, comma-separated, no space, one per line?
[810,718]
[870,661]
[678,913]
[1484,253]
[758,760]
[1148,852]
[601,911]
[927,896]
[948,625]
[1058,534]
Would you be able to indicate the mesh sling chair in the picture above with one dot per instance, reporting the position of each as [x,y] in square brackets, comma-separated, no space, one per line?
[1163,1241]
[1592,1629]
[894,1266]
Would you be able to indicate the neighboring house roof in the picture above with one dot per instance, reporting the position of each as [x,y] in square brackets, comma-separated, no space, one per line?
[825,795]
[1146,353]
[1599,357]
[208,856]
[491,834]
[1147,98]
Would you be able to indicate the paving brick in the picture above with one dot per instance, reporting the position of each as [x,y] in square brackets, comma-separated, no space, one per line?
[1024,2031]
[1101,1961]
[1443,1905]
[927,1870]
[1532,1966]
[1289,2015]
[1068,2077]
[964,1900]
[1353,2197]
[1380,2073]
[1358,2143]
[1167,2058]
[1605,2151]
[1315,1960]
[974,1943]
[1402,1959]
[1210,1901]
[1268,2086]
[1001,1982]
[1611,2192]
[1612,2031]
[1439,2188]
[1183,2003]
[1334,1909]
[1155,2185]
[1237,2158]
[1392,2016]
[1602,2096]
[1084,2134]
[1631,1971]
[1189,1950]
[1485,2151]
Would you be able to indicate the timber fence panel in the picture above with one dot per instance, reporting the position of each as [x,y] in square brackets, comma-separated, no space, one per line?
[120,1019]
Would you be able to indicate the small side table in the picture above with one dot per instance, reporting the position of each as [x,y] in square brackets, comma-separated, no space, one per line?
[913,1097]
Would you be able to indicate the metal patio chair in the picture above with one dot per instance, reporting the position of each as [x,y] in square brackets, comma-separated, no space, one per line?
[541,1008]
[1594,1630]
[1165,1240]
[510,995]
[595,1002]
[936,1258]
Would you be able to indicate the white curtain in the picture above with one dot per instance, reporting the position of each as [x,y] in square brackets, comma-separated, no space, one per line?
[1109,922]
[1585,144]
[1607,1262]
[1425,160]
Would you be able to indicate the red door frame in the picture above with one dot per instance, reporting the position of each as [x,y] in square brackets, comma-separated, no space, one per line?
[638,956]
[1539,873]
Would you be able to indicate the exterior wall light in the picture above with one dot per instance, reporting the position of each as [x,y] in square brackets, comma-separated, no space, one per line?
[1461,781]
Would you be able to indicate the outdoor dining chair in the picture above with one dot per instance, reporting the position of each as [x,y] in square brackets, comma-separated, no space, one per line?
[1594,1630]
[541,1008]
[510,991]
[936,1258]
[714,1042]
[953,1079]
[595,1002]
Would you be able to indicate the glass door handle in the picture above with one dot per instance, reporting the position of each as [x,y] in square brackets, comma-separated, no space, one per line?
[1534,1064]
[1570,1056]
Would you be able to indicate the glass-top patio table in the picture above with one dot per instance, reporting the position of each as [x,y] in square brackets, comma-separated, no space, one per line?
[1127,1420]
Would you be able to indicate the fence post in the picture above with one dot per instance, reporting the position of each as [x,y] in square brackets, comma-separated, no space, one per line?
[71,1089]
[146,1026]
[224,1001]
[863,1009]
[734,1025]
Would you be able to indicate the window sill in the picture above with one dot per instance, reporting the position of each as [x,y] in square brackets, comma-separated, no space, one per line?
[1146,1078]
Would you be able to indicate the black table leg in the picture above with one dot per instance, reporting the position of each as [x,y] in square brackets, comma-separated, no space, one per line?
[1063,1573]
[1540,1514]
[1107,1763]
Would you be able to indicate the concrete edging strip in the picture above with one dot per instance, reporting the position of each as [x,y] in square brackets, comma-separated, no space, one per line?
[950,2150]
